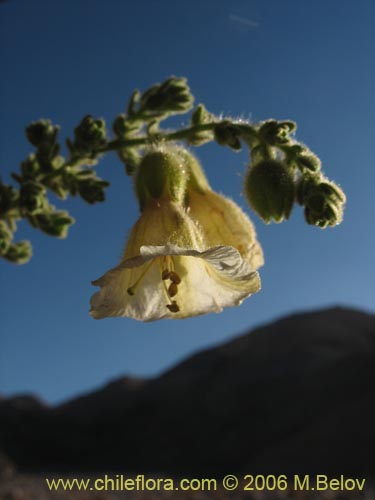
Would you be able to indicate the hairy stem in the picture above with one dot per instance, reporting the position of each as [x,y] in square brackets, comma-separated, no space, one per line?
[184,133]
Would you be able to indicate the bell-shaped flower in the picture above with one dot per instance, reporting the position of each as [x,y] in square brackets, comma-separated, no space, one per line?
[168,271]
[171,268]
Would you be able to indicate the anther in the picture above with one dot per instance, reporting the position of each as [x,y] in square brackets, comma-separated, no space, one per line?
[165,274]
[173,307]
[130,290]
[174,277]
[172,290]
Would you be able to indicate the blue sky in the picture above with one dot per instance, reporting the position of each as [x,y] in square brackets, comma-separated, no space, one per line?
[306,61]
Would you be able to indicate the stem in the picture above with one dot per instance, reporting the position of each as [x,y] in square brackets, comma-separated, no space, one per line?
[118,144]
[140,141]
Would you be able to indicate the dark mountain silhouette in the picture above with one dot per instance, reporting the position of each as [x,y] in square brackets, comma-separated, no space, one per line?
[294,396]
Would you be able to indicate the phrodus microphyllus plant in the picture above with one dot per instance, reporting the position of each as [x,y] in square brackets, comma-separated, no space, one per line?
[192,250]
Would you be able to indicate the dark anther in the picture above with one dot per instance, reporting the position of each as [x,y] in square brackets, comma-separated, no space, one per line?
[174,277]
[172,290]
[173,307]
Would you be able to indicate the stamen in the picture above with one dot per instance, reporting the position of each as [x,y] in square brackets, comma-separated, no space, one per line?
[172,290]
[173,307]
[168,273]
[165,274]
[174,277]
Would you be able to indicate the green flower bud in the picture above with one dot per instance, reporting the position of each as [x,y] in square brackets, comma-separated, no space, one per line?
[323,201]
[41,132]
[227,134]
[43,135]
[19,253]
[32,197]
[270,190]
[276,133]
[161,174]
[89,135]
[172,96]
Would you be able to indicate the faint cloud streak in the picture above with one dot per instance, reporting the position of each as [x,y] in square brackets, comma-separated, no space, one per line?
[244,21]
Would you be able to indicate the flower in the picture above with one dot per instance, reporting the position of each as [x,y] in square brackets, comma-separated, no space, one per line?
[169,271]
[191,251]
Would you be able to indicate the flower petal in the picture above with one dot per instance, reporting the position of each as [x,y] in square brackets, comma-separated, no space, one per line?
[224,223]
[209,280]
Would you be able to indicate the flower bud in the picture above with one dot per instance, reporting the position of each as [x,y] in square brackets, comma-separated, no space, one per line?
[89,135]
[323,201]
[41,132]
[161,174]
[270,190]
[276,133]
[172,96]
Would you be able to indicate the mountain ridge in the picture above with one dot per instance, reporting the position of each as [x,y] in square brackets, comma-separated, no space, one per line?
[255,403]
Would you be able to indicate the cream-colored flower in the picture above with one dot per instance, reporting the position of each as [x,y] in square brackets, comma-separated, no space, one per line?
[170,270]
